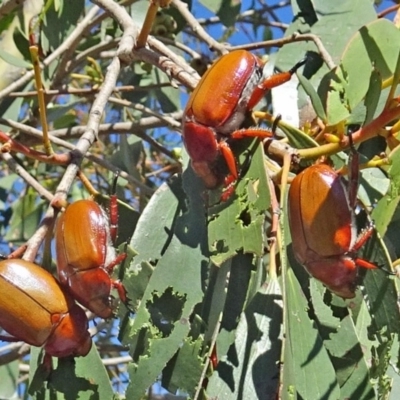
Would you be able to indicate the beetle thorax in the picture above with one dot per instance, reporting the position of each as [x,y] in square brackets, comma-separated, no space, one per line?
[238,115]
[353,223]
[111,254]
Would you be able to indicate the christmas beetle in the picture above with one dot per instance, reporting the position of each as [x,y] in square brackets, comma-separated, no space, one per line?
[85,254]
[322,224]
[217,108]
[34,308]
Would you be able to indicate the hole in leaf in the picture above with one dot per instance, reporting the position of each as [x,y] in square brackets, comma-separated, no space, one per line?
[166,309]
[245,217]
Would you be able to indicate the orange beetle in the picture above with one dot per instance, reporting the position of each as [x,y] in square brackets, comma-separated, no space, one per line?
[35,309]
[216,111]
[322,224]
[85,255]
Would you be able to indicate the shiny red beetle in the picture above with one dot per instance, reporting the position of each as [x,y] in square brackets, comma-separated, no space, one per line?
[85,255]
[323,228]
[216,111]
[35,309]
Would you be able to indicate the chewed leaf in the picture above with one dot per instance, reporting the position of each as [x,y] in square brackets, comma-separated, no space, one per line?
[372,50]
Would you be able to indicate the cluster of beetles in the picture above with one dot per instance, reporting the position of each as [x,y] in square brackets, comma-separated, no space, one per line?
[85,259]
[326,247]
[84,234]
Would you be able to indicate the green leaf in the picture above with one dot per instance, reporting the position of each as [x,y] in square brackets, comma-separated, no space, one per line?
[353,15]
[55,112]
[81,377]
[381,289]
[136,285]
[168,97]
[13,60]
[337,106]
[65,121]
[360,64]
[22,43]
[251,367]
[185,367]
[321,19]
[314,97]
[307,369]
[394,173]
[351,366]
[386,208]
[130,155]
[177,16]
[297,138]
[236,225]
[6,183]
[138,11]
[361,57]
[59,22]
[174,244]
[323,312]
[226,10]
[6,21]
[27,212]
[9,108]
[372,96]
[9,378]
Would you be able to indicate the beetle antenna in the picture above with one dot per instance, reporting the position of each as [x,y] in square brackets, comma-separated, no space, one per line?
[114,183]
[351,144]
[275,124]
[387,271]
[354,172]
[298,65]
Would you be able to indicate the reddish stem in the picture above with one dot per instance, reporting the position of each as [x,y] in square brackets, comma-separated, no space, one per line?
[14,146]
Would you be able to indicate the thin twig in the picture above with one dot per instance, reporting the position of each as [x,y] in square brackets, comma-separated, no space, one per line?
[164,59]
[52,57]
[89,91]
[197,28]
[92,128]
[97,160]
[146,110]
[26,176]
[388,10]
[79,30]
[296,37]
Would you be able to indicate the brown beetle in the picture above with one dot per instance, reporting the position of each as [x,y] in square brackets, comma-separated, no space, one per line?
[35,309]
[85,255]
[323,228]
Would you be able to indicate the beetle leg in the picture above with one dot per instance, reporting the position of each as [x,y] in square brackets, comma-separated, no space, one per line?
[121,290]
[229,187]
[109,268]
[354,173]
[363,237]
[251,132]
[114,209]
[360,262]
[229,158]
[113,217]
[273,81]
[230,180]
[257,132]
[361,240]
